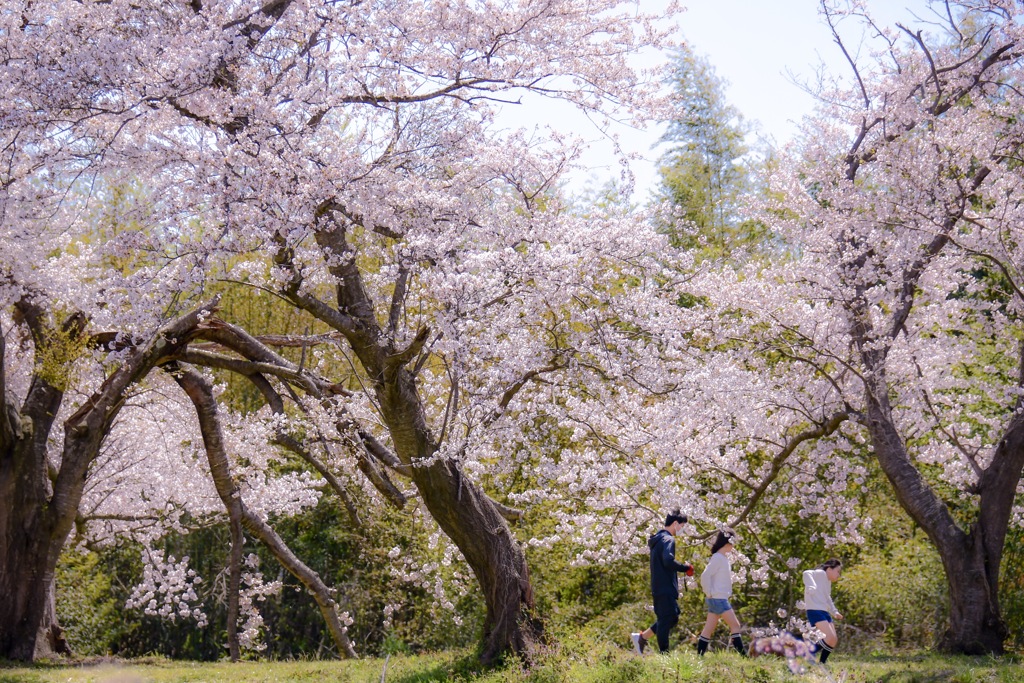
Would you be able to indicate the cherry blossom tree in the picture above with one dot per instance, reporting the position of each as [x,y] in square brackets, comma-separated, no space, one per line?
[42,490]
[344,156]
[904,210]
[890,327]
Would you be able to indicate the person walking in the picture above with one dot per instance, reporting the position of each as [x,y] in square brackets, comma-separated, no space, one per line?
[664,583]
[716,581]
[818,603]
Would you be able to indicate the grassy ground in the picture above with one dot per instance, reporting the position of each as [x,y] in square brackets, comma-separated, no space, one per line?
[612,666]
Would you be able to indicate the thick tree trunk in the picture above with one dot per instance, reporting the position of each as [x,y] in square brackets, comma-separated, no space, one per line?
[37,508]
[30,541]
[975,624]
[971,560]
[50,641]
[474,525]
[28,558]
[468,516]
[471,520]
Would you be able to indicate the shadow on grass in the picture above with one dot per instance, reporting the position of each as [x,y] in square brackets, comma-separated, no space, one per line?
[435,674]
[465,668]
[917,677]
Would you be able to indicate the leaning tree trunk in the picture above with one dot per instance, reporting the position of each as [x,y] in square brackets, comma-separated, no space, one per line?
[471,520]
[37,504]
[463,511]
[970,559]
[473,523]
[200,392]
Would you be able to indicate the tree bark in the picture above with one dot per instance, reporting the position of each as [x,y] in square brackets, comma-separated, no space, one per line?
[481,533]
[976,626]
[470,519]
[462,510]
[27,555]
[201,394]
[38,506]
[971,559]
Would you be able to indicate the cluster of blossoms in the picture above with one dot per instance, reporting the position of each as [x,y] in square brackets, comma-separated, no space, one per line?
[444,578]
[794,642]
[798,653]
[167,589]
[389,612]
[253,591]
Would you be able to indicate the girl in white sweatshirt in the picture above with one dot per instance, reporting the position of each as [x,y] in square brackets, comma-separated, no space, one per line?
[716,580]
[818,603]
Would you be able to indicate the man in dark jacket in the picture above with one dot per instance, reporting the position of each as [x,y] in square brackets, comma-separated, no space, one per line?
[664,582]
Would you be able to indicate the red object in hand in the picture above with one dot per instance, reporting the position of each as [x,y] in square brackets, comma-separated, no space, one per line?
[689,570]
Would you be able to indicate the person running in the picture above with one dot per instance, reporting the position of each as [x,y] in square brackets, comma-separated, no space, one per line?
[664,583]
[716,581]
[818,603]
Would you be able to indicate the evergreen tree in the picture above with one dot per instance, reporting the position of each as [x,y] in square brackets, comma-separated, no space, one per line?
[704,174]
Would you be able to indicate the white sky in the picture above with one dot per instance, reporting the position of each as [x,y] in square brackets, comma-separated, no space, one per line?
[758,47]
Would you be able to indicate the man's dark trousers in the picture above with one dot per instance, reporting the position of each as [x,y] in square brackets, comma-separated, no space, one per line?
[666,611]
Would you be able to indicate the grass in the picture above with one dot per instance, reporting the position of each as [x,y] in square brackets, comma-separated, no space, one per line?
[613,665]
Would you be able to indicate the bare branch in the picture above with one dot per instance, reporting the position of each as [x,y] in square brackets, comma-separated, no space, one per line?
[397,360]
[824,429]
[398,299]
[201,393]
[837,39]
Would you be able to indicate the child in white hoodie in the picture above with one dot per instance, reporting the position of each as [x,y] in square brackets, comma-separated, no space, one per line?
[818,603]
[716,580]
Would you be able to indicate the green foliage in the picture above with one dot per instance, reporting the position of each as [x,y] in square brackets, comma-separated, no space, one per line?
[705,173]
[92,588]
[799,538]
[1011,587]
[86,603]
[356,563]
[56,356]
[893,589]
[898,591]
[255,309]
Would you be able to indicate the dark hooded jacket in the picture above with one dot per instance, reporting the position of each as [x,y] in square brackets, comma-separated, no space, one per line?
[664,568]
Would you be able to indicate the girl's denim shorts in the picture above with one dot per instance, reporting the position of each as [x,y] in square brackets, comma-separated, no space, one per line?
[717,605]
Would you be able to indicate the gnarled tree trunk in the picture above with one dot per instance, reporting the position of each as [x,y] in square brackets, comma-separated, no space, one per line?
[472,521]
[38,504]
[971,559]
[32,532]
[468,517]
[29,549]
[976,626]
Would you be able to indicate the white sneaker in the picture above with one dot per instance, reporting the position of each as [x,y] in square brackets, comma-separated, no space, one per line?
[638,645]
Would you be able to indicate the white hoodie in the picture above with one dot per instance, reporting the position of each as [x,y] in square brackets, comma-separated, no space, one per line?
[818,591]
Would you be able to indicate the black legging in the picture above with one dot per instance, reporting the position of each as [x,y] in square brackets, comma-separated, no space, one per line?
[666,610]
